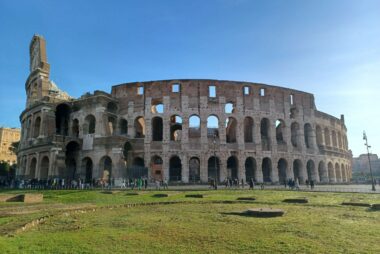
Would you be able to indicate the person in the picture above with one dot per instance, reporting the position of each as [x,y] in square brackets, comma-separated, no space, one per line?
[312,184]
[307,183]
[262,186]
[251,184]
[145,183]
[166,186]
[242,183]
[297,184]
[157,184]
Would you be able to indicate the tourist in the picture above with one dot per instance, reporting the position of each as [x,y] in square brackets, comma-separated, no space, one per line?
[242,183]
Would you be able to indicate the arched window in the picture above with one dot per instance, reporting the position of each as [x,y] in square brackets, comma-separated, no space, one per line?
[37,127]
[308,133]
[267,170]
[327,137]
[157,108]
[194,126]
[123,126]
[112,107]
[157,128]
[265,134]
[212,126]
[44,171]
[90,124]
[280,127]
[248,129]
[75,128]
[319,135]
[295,134]
[175,169]
[231,125]
[282,167]
[175,128]
[62,116]
[139,127]
[229,108]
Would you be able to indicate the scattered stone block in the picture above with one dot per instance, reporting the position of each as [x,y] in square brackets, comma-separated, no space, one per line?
[264,212]
[296,200]
[356,204]
[194,196]
[375,207]
[246,198]
[33,198]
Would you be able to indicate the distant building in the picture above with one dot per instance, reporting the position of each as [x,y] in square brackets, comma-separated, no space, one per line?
[7,137]
[360,164]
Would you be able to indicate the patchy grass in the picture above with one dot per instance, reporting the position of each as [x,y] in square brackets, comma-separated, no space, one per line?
[321,226]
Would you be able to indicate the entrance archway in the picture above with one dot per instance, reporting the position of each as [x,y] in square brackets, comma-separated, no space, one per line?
[175,169]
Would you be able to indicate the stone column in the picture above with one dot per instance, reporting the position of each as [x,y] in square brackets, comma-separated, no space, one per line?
[203,168]
[185,168]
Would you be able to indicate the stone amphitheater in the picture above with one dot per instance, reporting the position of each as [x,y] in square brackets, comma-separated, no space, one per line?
[185,130]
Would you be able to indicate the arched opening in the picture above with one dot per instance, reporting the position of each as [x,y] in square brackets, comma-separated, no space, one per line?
[311,173]
[37,127]
[319,135]
[265,136]
[112,107]
[295,129]
[138,169]
[282,167]
[250,169]
[157,108]
[340,140]
[194,126]
[232,167]
[308,133]
[111,125]
[72,154]
[331,171]
[44,172]
[175,169]
[156,165]
[175,128]
[75,128]
[157,128]
[280,127]
[90,124]
[338,175]
[248,130]
[106,169]
[123,126]
[127,153]
[213,168]
[231,125]
[297,170]
[267,170]
[212,126]
[323,177]
[194,169]
[62,116]
[333,138]
[344,175]
[32,168]
[139,127]
[229,108]
[87,166]
[327,137]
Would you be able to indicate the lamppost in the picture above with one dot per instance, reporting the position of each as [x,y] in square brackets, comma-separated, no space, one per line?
[215,163]
[369,160]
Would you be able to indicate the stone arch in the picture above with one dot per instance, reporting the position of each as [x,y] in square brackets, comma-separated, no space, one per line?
[338,174]
[232,167]
[156,166]
[157,107]
[32,168]
[250,169]
[322,172]
[111,125]
[72,155]
[213,167]
[175,168]
[194,126]
[213,126]
[37,127]
[282,167]
[308,135]
[138,169]
[157,128]
[297,170]
[90,124]
[75,128]
[139,125]
[280,127]
[319,137]
[312,174]
[175,128]
[248,129]
[331,171]
[333,137]
[265,134]
[112,107]
[62,116]
[44,168]
[87,169]
[327,137]
[128,153]
[194,169]
[231,126]
[344,175]
[267,169]
[295,133]
[105,166]
[123,126]
[229,108]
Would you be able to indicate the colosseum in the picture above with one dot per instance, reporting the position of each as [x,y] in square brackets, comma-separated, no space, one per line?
[185,131]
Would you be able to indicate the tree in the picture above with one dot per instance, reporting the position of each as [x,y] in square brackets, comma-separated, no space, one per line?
[4,168]
[14,147]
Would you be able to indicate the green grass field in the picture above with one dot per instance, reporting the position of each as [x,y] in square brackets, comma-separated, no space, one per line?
[102,225]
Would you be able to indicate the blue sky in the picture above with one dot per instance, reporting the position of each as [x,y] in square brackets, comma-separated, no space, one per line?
[329,48]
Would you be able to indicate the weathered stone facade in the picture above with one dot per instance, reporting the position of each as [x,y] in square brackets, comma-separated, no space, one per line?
[7,137]
[173,128]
